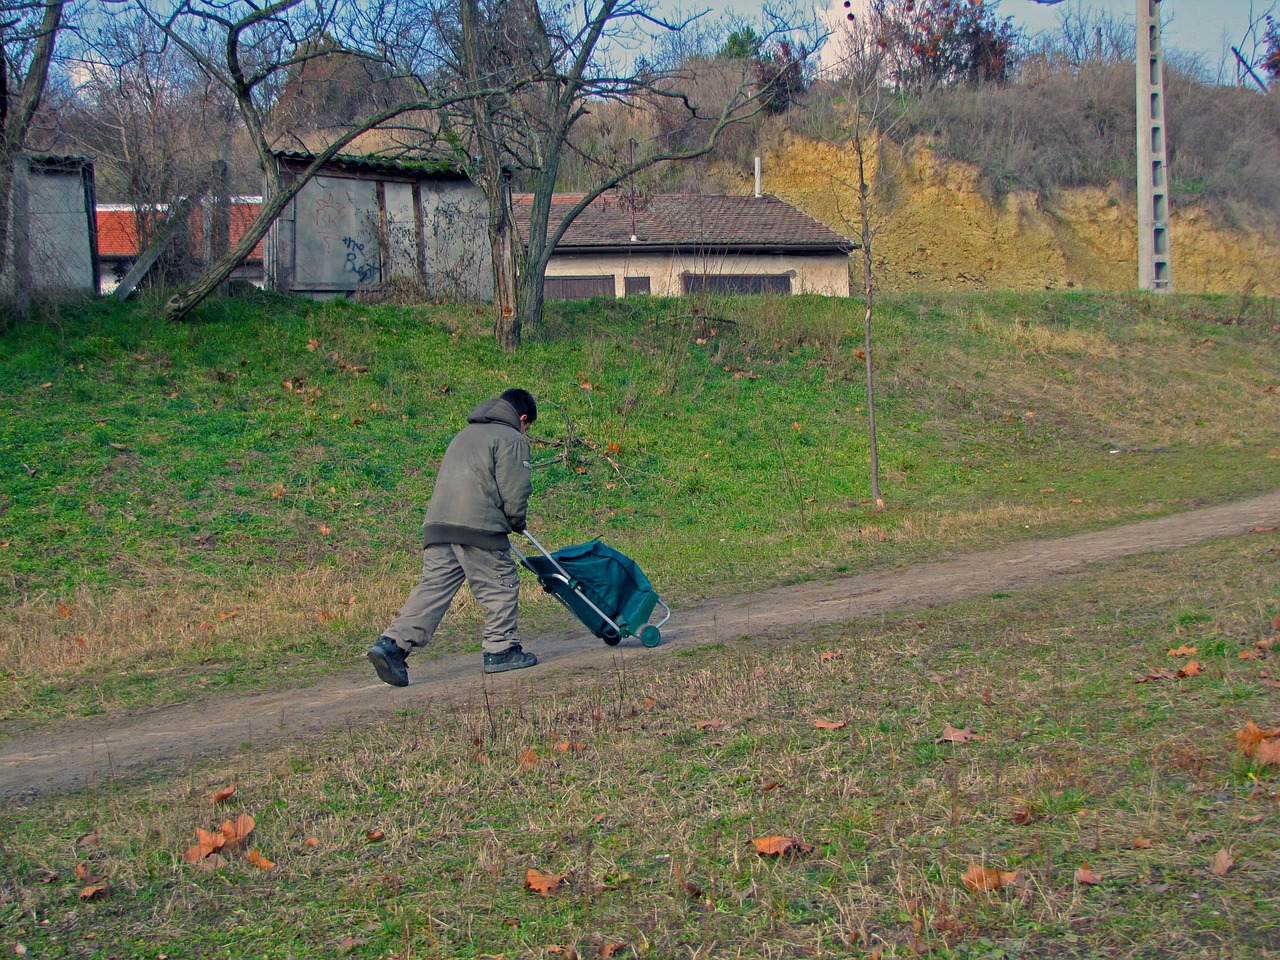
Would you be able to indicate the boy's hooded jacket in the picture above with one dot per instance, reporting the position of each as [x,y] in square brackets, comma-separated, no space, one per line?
[484,482]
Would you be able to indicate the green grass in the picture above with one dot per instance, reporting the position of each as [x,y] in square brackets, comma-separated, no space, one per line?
[182,505]
[680,762]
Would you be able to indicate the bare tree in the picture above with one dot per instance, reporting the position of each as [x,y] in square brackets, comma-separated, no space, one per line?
[566,63]
[859,77]
[250,51]
[28,34]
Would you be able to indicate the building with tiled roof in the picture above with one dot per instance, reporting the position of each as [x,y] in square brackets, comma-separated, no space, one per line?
[119,246]
[676,244]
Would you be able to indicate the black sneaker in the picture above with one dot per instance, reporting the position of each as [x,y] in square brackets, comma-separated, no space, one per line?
[389,660]
[512,658]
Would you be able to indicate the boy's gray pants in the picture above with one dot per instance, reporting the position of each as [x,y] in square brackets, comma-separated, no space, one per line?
[494,582]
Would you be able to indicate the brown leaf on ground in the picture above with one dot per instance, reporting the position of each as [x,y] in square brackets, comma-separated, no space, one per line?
[951,735]
[980,878]
[96,891]
[88,840]
[1191,669]
[1251,735]
[1182,651]
[1222,862]
[1086,876]
[64,609]
[650,703]
[85,875]
[828,655]
[375,835]
[769,785]
[258,860]
[709,724]
[527,760]
[1156,675]
[608,950]
[828,724]
[1250,654]
[1267,754]
[311,842]
[1024,815]
[211,863]
[223,795]
[236,830]
[781,846]
[1141,843]
[544,883]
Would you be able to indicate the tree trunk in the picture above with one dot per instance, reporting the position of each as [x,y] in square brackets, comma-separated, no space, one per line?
[868,290]
[506,321]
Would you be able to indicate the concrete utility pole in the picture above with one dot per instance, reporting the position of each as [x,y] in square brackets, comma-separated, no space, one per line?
[1154,268]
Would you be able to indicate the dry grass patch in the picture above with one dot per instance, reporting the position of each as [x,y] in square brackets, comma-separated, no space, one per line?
[645,785]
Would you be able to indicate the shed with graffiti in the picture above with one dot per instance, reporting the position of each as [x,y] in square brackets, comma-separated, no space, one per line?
[365,224]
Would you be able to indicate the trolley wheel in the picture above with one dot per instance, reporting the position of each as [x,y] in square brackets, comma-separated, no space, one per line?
[650,636]
[611,635]
[547,587]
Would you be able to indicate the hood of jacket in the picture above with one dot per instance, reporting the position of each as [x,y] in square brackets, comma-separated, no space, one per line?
[496,410]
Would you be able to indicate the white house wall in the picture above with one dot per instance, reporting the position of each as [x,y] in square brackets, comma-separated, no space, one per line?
[825,274]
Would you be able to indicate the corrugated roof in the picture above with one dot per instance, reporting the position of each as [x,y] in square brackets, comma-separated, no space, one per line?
[431,166]
[118,227]
[686,221]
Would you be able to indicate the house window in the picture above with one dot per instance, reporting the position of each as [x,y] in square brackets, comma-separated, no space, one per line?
[637,286]
[577,288]
[728,283]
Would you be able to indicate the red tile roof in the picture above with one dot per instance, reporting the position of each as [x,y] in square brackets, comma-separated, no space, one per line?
[685,221]
[118,227]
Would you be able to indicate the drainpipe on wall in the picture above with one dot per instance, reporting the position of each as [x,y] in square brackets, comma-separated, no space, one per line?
[759,178]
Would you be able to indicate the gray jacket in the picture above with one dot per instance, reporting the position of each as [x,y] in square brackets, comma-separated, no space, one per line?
[484,482]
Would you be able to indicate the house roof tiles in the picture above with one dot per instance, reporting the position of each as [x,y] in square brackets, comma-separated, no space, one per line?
[686,221]
[118,227]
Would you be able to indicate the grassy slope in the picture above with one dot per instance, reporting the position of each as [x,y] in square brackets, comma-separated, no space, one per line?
[204,506]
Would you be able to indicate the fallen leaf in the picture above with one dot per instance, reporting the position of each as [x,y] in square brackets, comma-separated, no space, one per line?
[312,841]
[325,530]
[223,795]
[375,835]
[64,609]
[237,829]
[830,655]
[1023,815]
[258,860]
[1086,876]
[611,949]
[828,724]
[1191,669]
[1268,754]
[96,891]
[568,745]
[952,735]
[1250,654]
[215,861]
[708,724]
[980,878]
[1182,651]
[1251,735]
[527,760]
[85,875]
[650,703]
[1141,843]
[1195,837]
[781,846]
[1222,862]
[544,883]
[771,785]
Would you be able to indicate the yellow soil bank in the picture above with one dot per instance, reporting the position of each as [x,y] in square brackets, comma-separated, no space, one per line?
[939,232]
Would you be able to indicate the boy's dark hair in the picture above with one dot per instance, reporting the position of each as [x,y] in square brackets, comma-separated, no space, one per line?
[523,402]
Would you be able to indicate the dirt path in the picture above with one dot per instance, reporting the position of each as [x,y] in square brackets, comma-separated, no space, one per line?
[89,751]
